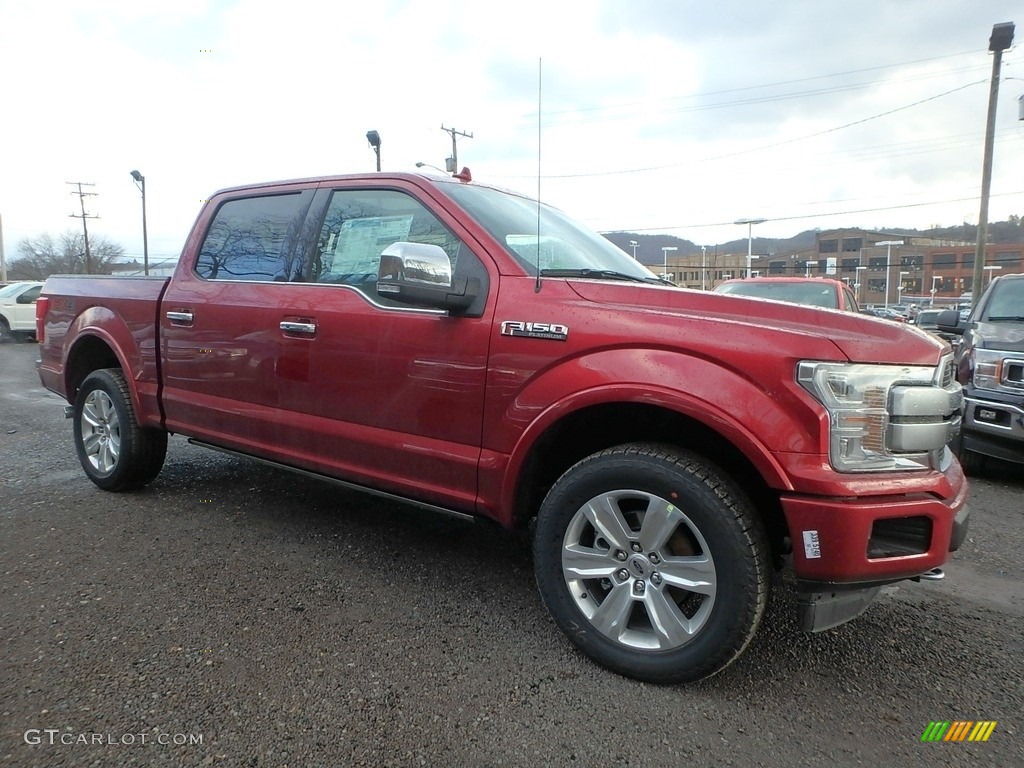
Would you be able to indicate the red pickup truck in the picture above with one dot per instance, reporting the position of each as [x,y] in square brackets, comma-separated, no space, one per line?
[471,351]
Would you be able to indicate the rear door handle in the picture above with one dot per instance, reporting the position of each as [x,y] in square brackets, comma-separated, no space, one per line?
[292,326]
[180,318]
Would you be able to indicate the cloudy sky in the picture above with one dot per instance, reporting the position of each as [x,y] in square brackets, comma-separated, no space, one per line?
[655,115]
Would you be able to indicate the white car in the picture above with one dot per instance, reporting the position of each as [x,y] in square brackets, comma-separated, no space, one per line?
[18,310]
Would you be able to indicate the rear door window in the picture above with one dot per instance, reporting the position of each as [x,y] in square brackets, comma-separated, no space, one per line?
[254,238]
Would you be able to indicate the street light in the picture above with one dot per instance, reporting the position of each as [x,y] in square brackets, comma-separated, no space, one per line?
[140,182]
[750,237]
[665,249]
[374,138]
[989,269]
[703,268]
[888,256]
[427,165]
[634,244]
[856,283]
[935,279]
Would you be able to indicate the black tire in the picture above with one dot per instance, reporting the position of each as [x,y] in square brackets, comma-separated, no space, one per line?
[5,331]
[971,462]
[116,453]
[698,524]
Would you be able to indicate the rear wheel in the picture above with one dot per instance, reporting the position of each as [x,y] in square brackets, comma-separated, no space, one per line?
[652,562]
[115,452]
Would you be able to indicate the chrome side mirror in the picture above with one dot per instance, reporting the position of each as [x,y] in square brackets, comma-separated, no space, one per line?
[421,274]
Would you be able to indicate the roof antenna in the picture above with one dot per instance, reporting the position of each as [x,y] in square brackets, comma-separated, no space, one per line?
[540,64]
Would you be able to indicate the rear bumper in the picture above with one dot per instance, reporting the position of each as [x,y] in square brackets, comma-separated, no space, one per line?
[865,541]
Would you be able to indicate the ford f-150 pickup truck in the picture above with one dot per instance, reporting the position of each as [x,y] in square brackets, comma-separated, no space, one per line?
[990,364]
[471,351]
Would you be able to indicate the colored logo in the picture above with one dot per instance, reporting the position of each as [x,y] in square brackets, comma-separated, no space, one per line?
[958,730]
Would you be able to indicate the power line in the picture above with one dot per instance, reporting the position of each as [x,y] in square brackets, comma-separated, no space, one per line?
[615,115]
[762,147]
[813,215]
[532,116]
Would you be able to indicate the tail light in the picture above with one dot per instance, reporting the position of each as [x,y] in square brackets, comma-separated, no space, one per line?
[42,304]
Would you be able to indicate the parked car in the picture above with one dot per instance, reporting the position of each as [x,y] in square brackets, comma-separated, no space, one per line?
[18,310]
[990,365]
[886,313]
[416,338]
[812,291]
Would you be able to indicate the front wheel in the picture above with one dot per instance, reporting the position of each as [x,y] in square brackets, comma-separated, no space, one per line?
[652,561]
[116,453]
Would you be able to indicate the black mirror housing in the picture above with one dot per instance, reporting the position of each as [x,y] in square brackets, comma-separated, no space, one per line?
[949,321]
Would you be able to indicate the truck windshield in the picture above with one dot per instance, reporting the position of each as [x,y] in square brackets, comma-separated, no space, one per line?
[564,247]
[1007,302]
[813,294]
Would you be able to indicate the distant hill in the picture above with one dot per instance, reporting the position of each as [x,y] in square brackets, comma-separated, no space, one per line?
[648,248]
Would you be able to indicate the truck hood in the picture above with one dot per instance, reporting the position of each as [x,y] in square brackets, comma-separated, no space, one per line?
[861,338]
[1006,336]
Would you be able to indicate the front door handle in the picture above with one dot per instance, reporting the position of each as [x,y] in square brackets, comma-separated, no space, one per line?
[181,318]
[292,326]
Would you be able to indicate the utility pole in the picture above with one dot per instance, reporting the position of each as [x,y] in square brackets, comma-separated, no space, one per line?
[1002,37]
[455,152]
[3,264]
[84,217]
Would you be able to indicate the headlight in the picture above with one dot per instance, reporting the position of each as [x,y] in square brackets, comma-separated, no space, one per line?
[987,368]
[882,417]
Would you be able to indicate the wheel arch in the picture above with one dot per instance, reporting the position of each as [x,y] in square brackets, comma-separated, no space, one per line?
[591,422]
[90,352]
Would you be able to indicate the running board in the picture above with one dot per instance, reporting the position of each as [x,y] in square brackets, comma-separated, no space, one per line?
[345,484]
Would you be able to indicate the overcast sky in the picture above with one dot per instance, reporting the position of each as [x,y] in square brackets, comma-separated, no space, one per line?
[655,115]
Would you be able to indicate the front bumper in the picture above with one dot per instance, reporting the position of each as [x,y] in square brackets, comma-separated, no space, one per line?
[993,427]
[865,541]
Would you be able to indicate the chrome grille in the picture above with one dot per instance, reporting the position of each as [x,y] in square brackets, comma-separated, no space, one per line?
[946,372]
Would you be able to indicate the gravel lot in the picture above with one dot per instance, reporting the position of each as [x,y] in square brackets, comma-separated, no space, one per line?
[284,622]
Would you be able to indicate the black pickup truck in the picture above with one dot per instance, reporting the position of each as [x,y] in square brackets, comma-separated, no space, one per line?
[990,365]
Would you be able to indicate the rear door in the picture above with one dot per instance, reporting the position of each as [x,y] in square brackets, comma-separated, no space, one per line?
[220,321]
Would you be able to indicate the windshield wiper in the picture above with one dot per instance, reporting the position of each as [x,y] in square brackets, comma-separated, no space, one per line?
[602,274]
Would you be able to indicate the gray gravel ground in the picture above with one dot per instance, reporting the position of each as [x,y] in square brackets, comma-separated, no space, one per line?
[285,622]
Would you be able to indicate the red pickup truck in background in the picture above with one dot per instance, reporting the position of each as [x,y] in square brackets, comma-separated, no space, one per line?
[468,350]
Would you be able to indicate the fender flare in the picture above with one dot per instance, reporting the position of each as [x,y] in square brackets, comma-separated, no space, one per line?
[693,402]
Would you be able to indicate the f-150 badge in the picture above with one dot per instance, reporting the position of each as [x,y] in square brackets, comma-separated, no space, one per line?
[553,331]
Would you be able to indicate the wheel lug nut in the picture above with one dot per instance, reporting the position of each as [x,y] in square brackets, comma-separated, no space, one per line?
[639,587]
[636,546]
[654,558]
[623,574]
[620,555]
[655,578]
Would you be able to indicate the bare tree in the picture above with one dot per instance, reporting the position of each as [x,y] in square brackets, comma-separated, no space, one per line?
[41,256]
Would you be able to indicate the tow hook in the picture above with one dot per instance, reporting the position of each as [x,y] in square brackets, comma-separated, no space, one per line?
[935,574]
